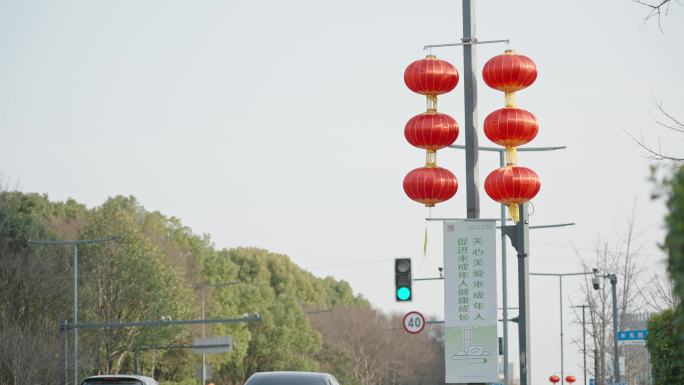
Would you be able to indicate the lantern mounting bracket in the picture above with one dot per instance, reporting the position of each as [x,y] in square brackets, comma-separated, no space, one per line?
[465,41]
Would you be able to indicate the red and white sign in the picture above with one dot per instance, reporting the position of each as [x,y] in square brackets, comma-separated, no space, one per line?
[414,322]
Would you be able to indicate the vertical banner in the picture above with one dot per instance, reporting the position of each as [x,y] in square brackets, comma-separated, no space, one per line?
[470,329]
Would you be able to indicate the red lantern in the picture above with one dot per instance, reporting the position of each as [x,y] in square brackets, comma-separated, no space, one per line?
[511,127]
[431,76]
[430,185]
[431,131]
[509,72]
[554,378]
[512,185]
[570,379]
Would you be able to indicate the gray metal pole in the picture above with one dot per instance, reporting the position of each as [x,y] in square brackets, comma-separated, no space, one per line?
[597,376]
[560,285]
[523,248]
[64,351]
[74,245]
[470,96]
[616,358]
[584,343]
[204,367]
[136,361]
[504,284]
[75,309]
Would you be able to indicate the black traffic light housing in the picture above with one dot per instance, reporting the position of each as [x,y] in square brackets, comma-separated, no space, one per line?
[403,292]
[595,279]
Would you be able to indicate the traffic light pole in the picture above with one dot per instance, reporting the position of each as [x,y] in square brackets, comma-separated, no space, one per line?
[520,235]
[616,358]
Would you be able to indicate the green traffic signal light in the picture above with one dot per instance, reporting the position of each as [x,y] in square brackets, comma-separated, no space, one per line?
[402,279]
[403,293]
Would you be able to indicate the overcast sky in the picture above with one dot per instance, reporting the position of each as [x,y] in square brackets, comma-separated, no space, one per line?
[280,125]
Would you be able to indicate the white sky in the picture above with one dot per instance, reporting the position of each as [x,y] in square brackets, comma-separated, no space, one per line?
[280,125]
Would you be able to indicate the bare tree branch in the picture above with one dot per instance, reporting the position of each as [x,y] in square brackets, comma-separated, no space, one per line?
[657,9]
[652,154]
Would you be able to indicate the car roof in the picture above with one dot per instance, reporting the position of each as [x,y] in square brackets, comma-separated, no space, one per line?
[259,377]
[294,374]
[143,379]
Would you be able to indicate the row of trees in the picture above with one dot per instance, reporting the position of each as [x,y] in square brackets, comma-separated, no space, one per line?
[160,268]
[666,329]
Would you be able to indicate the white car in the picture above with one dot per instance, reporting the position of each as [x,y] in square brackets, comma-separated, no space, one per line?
[119,379]
[291,378]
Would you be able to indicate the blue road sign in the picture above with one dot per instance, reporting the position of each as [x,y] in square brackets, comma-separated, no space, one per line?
[632,335]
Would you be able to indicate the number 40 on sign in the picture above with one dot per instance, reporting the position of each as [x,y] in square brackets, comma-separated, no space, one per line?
[414,322]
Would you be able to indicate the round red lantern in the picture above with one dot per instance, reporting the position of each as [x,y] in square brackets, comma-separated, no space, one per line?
[509,72]
[430,185]
[554,379]
[511,127]
[512,185]
[431,76]
[431,131]
[570,379]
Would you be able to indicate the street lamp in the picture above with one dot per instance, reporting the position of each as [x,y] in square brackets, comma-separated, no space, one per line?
[560,285]
[595,282]
[74,246]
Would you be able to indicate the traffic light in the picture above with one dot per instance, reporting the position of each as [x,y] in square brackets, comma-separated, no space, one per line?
[402,279]
[595,280]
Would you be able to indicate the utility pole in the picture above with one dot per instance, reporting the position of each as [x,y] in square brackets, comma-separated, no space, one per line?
[74,246]
[584,340]
[616,358]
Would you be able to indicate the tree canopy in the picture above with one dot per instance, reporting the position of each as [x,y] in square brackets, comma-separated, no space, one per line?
[158,268]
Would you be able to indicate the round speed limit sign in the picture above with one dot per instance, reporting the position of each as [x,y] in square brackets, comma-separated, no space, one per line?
[414,322]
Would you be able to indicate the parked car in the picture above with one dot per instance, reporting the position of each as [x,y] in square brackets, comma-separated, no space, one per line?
[291,378]
[119,379]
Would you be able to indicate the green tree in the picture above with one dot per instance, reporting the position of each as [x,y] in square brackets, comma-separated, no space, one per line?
[271,285]
[128,280]
[674,242]
[34,287]
[667,353]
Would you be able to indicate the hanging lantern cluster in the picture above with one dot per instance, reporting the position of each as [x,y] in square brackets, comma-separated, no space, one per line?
[511,127]
[431,131]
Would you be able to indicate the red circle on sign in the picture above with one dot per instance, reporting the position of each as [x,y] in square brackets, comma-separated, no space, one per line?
[422,322]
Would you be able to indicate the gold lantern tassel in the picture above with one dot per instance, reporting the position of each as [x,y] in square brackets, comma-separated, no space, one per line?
[425,239]
[515,213]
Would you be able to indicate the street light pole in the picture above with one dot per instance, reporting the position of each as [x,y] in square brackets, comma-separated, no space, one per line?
[470,101]
[616,358]
[584,340]
[204,362]
[560,287]
[612,277]
[74,246]
[511,233]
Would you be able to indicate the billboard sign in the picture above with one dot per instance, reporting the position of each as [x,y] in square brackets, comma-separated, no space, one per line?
[470,323]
